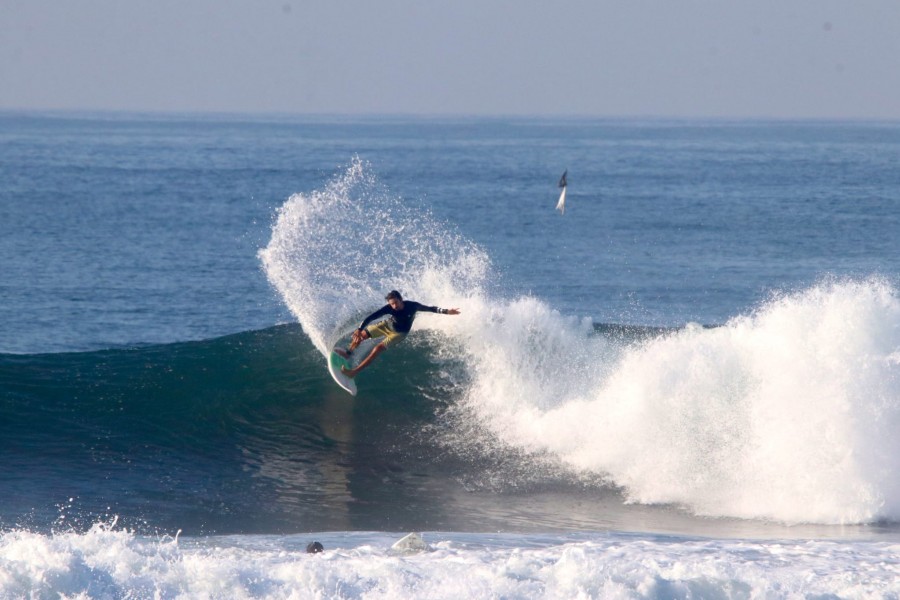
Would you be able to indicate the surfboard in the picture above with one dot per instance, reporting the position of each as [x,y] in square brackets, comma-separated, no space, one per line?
[335,362]
[561,204]
[337,358]
[410,544]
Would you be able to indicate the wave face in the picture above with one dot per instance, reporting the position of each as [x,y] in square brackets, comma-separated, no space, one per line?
[785,414]
[245,433]
[512,417]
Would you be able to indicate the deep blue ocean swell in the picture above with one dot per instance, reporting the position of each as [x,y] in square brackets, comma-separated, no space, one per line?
[247,433]
[226,434]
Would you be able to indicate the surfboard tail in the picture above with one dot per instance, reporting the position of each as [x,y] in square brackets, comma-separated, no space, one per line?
[561,205]
[335,362]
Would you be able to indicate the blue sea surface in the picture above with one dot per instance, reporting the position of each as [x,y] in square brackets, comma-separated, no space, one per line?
[696,367]
[129,229]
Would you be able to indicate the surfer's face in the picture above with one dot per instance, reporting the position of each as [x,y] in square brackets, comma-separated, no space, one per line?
[396,304]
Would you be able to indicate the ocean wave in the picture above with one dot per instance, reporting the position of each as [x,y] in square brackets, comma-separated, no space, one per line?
[785,414]
[788,414]
[241,433]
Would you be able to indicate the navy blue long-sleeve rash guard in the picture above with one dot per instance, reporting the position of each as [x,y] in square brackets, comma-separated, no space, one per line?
[401,320]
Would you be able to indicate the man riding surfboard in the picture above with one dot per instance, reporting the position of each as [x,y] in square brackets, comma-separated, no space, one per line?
[401,314]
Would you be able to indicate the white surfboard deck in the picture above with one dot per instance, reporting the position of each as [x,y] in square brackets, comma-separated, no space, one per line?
[561,205]
[411,544]
[336,361]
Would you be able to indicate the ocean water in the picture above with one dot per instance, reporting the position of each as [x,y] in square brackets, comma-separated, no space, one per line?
[688,386]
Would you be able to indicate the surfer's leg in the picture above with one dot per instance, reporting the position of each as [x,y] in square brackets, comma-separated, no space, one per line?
[378,330]
[365,362]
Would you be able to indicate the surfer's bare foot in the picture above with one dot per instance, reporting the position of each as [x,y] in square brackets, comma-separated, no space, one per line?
[348,372]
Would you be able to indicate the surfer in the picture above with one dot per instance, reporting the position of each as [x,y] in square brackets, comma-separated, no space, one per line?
[561,204]
[402,313]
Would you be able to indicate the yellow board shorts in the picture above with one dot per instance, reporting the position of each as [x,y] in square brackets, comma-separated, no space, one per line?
[384,330]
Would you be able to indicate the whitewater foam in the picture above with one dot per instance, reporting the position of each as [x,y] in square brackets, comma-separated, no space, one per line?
[787,414]
[106,563]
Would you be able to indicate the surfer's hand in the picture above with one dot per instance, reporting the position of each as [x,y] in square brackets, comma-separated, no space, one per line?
[452,311]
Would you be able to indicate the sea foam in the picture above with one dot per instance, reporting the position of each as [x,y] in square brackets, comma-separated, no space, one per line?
[789,413]
[106,563]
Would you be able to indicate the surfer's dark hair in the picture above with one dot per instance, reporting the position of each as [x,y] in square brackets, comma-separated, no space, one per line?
[394,294]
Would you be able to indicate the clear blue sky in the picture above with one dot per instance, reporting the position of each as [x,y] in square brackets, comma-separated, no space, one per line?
[690,58]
